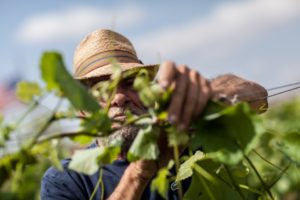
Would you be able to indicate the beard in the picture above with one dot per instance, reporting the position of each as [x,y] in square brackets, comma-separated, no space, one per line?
[126,133]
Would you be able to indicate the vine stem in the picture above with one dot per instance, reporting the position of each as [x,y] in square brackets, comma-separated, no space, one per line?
[235,185]
[259,177]
[97,186]
[244,187]
[280,175]
[73,134]
[176,157]
[266,160]
[44,127]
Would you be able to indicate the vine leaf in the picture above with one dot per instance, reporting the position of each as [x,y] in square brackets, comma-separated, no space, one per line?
[145,145]
[88,161]
[227,133]
[176,137]
[27,90]
[289,144]
[161,183]
[57,77]
[186,168]
[82,139]
[210,186]
[148,93]
[97,122]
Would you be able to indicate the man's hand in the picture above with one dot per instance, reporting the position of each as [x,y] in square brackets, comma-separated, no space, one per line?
[190,96]
[232,89]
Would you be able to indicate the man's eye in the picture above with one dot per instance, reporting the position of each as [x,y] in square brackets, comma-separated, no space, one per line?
[128,82]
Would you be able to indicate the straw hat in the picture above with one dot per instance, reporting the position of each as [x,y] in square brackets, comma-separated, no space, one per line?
[94,55]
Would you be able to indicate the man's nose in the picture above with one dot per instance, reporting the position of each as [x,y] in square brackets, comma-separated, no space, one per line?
[120,99]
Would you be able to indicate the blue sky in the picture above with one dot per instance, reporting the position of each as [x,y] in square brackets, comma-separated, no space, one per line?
[256,39]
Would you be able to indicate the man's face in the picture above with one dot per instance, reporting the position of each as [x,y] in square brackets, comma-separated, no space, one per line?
[125,98]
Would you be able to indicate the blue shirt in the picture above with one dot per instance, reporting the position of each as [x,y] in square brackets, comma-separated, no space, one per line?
[70,185]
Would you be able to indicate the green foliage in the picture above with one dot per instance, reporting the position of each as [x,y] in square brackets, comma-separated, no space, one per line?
[161,183]
[88,161]
[289,144]
[230,139]
[186,168]
[27,90]
[148,93]
[145,145]
[243,155]
[97,123]
[57,77]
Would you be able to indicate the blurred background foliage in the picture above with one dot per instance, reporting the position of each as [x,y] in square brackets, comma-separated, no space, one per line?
[281,120]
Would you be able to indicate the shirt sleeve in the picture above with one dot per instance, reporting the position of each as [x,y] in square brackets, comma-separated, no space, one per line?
[61,185]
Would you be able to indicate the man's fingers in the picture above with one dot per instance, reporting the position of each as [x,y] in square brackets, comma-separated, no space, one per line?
[178,95]
[190,103]
[167,74]
[203,96]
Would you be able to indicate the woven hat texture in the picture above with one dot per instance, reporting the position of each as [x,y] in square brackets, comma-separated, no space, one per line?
[96,53]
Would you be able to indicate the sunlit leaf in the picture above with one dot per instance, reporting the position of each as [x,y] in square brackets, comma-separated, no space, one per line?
[161,183]
[27,90]
[82,139]
[88,161]
[186,168]
[57,77]
[145,145]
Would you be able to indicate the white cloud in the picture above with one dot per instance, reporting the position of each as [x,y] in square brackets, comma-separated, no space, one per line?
[227,27]
[74,22]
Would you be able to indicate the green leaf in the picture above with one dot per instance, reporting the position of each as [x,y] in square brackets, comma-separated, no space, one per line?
[57,77]
[98,122]
[109,155]
[148,92]
[225,134]
[195,191]
[88,161]
[176,137]
[145,145]
[186,168]
[82,139]
[289,144]
[208,185]
[53,157]
[161,183]
[27,90]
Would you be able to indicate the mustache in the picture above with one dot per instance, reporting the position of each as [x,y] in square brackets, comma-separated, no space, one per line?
[115,111]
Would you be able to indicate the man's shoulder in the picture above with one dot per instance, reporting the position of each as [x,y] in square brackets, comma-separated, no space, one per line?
[55,173]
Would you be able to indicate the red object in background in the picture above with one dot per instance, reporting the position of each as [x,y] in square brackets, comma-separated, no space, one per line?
[7,95]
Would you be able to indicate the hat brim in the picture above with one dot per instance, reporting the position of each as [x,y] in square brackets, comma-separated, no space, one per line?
[107,70]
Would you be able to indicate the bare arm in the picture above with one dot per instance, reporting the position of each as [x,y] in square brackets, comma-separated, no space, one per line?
[134,181]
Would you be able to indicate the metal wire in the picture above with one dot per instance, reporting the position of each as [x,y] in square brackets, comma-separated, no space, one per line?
[283,86]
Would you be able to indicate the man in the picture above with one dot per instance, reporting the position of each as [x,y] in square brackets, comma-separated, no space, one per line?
[123,180]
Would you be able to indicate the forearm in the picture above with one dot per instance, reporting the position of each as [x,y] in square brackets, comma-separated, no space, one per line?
[134,181]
